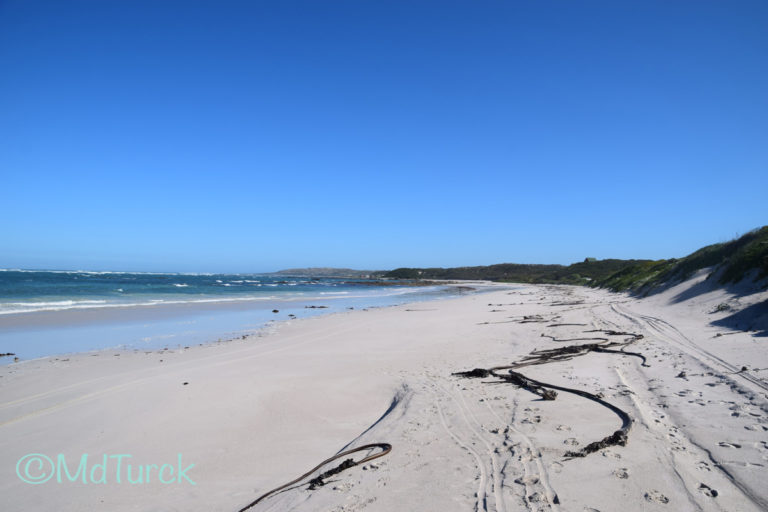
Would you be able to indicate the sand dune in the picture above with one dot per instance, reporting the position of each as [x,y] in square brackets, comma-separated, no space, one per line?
[259,412]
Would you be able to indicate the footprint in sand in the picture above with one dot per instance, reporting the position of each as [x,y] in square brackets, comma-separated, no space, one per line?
[342,488]
[571,441]
[563,427]
[622,473]
[708,491]
[539,498]
[656,497]
[703,466]
[729,445]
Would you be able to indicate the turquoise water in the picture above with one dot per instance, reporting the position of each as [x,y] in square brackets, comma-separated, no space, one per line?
[46,313]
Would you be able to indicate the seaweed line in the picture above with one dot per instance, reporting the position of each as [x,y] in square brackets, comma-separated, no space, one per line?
[549,391]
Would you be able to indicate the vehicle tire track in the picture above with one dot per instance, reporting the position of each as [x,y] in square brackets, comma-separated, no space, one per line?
[492,451]
[671,333]
[481,503]
[531,454]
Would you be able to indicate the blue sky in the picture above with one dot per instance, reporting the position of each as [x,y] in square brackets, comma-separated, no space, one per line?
[254,136]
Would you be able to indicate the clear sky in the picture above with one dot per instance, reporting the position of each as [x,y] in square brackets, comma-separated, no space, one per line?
[253,136]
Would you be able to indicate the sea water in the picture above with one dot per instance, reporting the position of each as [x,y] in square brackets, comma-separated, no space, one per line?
[45,313]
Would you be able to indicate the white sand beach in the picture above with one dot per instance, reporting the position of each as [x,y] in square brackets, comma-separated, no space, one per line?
[255,413]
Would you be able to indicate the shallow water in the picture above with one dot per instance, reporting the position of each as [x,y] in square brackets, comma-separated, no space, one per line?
[174,322]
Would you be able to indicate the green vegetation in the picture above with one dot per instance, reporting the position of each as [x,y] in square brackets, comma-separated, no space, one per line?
[731,262]
[578,273]
[749,252]
[637,276]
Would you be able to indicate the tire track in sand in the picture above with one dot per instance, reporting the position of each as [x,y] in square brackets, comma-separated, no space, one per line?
[481,503]
[492,453]
[529,454]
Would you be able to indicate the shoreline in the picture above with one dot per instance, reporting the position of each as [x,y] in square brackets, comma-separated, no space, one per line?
[220,319]
[254,413]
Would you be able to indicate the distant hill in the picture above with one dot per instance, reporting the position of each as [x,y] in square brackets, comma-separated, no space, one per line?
[347,273]
[730,261]
[578,273]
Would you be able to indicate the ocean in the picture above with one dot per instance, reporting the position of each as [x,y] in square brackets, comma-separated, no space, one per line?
[45,313]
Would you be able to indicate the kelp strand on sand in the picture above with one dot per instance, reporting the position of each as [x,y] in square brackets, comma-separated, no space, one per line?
[545,390]
[319,480]
[549,391]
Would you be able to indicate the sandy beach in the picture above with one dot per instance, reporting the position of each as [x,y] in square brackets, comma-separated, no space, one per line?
[377,256]
[251,414]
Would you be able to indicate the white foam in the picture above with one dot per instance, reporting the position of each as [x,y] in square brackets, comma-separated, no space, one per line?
[102,272]
[8,308]
[55,303]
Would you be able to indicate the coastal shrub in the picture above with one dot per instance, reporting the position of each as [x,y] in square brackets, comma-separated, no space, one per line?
[577,273]
[747,254]
[731,261]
